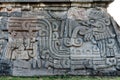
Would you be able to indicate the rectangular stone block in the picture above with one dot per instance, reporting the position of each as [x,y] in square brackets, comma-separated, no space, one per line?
[21,64]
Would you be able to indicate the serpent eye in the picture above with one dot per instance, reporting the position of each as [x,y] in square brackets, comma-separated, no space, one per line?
[92,21]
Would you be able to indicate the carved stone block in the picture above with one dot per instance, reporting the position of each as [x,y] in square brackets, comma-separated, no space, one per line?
[78,37]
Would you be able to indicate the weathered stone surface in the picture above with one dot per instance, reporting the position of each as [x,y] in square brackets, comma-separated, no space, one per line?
[56,0]
[78,37]
[5,67]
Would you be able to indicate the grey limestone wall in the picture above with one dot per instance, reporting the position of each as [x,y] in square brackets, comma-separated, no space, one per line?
[57,38]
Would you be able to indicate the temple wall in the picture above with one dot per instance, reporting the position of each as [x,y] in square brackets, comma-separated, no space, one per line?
[42,37]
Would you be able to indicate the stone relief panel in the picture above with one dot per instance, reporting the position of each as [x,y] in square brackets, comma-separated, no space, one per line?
[22,34]
[80,41]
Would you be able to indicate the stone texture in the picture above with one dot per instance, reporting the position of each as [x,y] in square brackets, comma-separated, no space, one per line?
[56,0]
[43,38]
